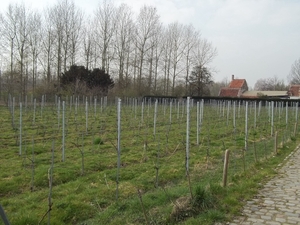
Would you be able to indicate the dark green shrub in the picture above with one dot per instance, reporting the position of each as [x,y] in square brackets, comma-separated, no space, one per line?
[98,141]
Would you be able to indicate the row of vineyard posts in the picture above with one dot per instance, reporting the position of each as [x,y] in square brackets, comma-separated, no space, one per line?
[250,129]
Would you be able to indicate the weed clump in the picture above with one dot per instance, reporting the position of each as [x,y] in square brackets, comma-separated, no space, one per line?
[293,138]
[182,209]
[203,201]
[98,141]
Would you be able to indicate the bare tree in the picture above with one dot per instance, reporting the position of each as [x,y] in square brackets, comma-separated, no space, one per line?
[56,15]
[67,8]
[155,56]
[204,53]
[66,20]
[167,50]
[76,21]
[294,76]
[152,61]
[70,22]
[145,56]
[146,27]
[35,38]
[105,23]
[2,46]
[48,40]
[8,35]
[191,37]
[123,37]
[1,55]
[178,46]
[270,84]
[22,44]
[88,44]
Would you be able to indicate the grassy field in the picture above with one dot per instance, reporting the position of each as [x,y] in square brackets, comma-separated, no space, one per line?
[38,186]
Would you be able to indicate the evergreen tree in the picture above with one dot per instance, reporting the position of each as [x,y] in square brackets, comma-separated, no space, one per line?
[199,81]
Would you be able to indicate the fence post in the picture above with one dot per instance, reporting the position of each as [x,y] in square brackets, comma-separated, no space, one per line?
[275,143]
[118,148]
[246,126]
[225,171]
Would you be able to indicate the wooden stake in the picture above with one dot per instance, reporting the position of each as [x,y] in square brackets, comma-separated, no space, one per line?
[225,171]
[275,144]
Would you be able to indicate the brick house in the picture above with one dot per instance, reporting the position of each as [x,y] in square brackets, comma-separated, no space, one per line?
[236,88]
[294,91]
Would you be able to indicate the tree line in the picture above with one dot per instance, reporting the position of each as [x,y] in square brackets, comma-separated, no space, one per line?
[143,55]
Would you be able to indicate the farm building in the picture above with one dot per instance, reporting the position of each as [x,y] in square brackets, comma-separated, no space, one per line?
[294,91]
[235,89]
[238,88]
[269,94]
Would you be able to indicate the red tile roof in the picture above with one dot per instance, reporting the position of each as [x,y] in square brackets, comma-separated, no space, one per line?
[237,83]
[294,90]
[229,92]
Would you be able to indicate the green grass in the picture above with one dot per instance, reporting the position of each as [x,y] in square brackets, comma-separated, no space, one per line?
[84,185]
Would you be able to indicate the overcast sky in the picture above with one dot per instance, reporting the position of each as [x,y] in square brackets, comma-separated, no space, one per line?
[254,38]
